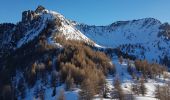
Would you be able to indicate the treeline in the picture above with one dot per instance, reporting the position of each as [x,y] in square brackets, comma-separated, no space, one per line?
[148,70]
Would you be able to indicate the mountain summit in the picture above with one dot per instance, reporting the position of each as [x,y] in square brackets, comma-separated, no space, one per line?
[33,23]
[59,24]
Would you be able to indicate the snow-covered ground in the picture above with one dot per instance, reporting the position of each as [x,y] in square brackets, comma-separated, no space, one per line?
[69,95]
[127,81]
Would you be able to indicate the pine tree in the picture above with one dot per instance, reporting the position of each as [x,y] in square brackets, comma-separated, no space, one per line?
[143,89]
[162,92]
[21,87]
[118,89]
[121,59]
[6,92]
[69,82]
[135,89]
[54,77]
[42,93]
[87,90]
[131,97]
[54,92]
[165,75]
[61,95]
[157,92]
[105,90]
[116,82]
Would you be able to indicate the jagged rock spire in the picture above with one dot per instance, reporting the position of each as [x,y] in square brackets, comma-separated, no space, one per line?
[28,15]
[39,9]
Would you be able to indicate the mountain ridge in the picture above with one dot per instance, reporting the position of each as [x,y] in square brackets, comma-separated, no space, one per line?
[119,21]
[146,32]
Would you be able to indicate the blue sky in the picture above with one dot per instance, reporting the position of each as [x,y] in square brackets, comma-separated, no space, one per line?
[98,12]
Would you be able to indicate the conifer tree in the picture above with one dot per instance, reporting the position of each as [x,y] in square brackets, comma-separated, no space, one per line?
[157,92]
[118,89]
[61,95]
[69,82]
[87,90]
[142,88]
[121,59]
[54,92]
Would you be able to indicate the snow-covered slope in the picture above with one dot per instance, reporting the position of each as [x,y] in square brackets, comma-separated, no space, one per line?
[34,23]
[61,26]
[137,37]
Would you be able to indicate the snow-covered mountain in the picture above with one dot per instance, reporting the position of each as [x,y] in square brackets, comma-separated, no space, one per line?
[29,50]
[34,41]
[60,26]
[143,38]
[33,24]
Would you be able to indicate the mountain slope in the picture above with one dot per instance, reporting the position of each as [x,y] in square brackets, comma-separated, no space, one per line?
[33,23]
[60,26]
[141,38]
[31,52]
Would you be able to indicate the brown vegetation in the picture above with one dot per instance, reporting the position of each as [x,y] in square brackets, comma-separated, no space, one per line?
[162,92]
[79,63]
[118,91]
[149,70]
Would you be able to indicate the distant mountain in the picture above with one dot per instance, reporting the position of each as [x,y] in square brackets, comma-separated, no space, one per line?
[145,38]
